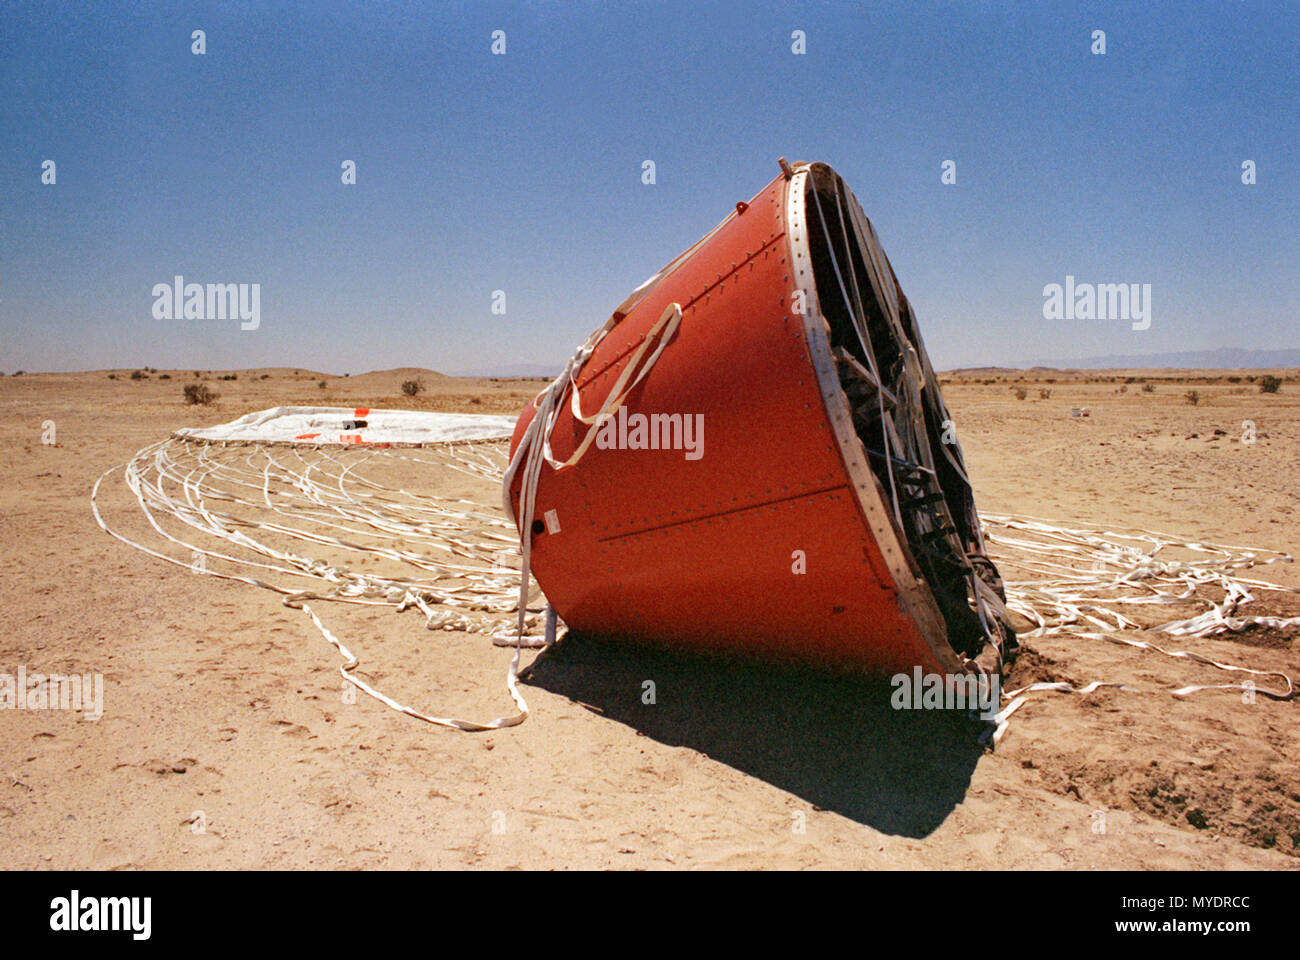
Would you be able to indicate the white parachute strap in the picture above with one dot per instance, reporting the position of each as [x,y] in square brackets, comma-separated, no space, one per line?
[661,334]
[347,588]
[1058,603]
[470,726]
[535,445]
[1122,574]
[537,437]
[1017,698]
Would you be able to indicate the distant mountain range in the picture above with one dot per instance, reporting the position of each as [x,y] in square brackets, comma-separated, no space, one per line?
[1225,358]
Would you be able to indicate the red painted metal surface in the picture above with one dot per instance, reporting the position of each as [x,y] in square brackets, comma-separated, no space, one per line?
[705,553]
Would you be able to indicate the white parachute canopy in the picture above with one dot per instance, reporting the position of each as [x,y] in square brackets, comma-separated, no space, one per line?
[353,425]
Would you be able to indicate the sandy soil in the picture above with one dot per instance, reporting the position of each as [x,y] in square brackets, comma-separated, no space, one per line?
[224,709]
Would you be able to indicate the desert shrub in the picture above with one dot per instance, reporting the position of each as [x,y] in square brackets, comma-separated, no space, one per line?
[112,376]
[1270,384]
[321,384]
[228,376]
[412,387]
[1044,394]
[1123,388]
[164,376]
[139,375]
[1021,393]
[1192,397]
[1148,388]
[200,394]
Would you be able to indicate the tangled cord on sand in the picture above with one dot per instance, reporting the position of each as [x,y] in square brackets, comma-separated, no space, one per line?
[454,560]
[1083,574]
[1089,578]
[275,509]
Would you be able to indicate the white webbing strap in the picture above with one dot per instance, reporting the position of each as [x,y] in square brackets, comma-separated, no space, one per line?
[634,371]
[1289,693]
[1086,573]
[535,448]
[1018,698]
[346,587]
[351,662]
[535,445]
[547,403]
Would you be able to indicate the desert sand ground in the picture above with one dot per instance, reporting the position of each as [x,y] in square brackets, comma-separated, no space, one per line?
[222,704]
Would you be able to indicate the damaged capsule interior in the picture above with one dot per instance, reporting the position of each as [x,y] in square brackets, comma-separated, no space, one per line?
[900,418]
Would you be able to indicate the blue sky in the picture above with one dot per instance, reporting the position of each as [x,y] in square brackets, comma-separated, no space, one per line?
[522,172]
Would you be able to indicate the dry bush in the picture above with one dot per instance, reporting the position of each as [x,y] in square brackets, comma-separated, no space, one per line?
[200,394]
[412,387]
[1192,397]
[1270,384]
